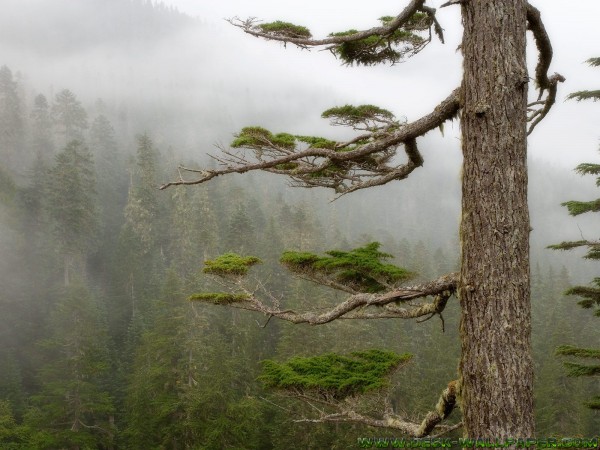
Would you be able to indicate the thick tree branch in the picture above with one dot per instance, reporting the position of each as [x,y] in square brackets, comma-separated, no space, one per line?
[351,308]
[445,405]
[351,172]
[544,46]
[249,26]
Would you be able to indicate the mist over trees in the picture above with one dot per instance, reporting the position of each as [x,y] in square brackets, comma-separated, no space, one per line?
[100,347]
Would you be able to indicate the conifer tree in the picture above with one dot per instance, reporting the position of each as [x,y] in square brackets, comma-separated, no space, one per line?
[72,204]
[112,191]
[193,230]
[142,241]
[142,210]
[41,130]
[74,408]
[495,381]
[69,116]
[11,120]
[590,295]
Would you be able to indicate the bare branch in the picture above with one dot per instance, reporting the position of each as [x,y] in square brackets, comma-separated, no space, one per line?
[249,26]
[445,405]
[351,308]
[538,115]
[351,167]
[453,2]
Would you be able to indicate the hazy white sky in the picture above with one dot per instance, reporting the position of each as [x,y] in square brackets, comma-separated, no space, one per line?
[568,136]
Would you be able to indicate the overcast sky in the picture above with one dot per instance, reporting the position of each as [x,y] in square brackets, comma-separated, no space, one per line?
[568,136]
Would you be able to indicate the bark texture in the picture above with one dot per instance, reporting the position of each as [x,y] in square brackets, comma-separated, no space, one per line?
[496,373]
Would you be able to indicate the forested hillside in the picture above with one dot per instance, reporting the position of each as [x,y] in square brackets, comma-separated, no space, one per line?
[100,346]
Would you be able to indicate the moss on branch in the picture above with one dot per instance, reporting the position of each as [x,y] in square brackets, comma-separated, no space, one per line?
[317,141]
[230,264]
[390,47]
[254,137]
[361,269]
[352,115]
[334,375]
[284,29]
[219,298]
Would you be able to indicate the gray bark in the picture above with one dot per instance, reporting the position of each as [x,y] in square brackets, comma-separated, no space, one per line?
[496,372]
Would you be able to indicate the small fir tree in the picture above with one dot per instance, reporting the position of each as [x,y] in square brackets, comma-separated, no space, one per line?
[590,294]
[72,203]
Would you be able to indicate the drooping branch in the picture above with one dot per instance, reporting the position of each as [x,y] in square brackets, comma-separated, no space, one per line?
[344,166]
[543,81]
[444,407]
[352,308]
[300,36]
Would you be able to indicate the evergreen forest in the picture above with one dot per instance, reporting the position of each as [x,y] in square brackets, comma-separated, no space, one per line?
[100,344]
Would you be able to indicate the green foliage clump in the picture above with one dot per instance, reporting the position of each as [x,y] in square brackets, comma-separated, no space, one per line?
[590,294]
[258,137]
[230,264]
[594,62]
[285,29]
[569,350]
[568,245]
[593,249]
[361,268]
[382,48]
[317,141]
[581,370]
[334,375]
[576,208]
[352,115]
[287,166]
[584,95]
[219,298]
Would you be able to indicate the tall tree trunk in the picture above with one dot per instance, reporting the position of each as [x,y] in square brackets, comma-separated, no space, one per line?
[496,367]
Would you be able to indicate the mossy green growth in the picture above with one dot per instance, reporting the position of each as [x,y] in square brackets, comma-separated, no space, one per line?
[333,375]
[377,49]
[350,114]
[258,137]
[361,268]
[287,166]
[230,264]
[329,171]
[317,141]
[285,29]
[418,21]
[219,298]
